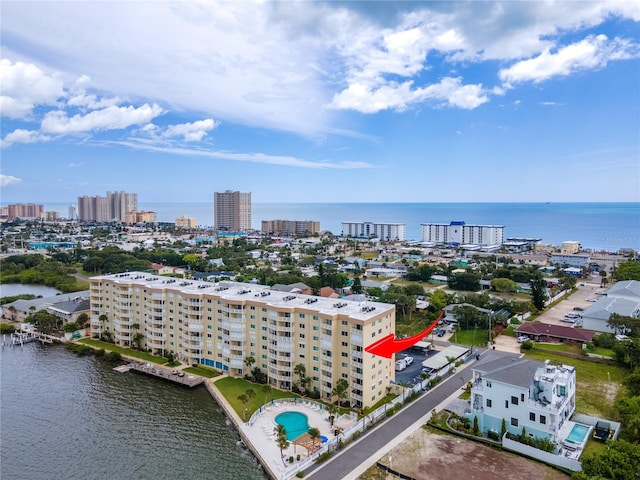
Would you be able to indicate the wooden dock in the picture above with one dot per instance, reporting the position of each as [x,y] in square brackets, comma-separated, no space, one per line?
[171,374]
[18,339]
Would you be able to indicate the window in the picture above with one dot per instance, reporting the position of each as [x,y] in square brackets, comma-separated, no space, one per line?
[514,422]
[532,416]
[489,383]
[514,400]
[522,397]
[489,402]
[543,419]
[302,325]
[506,404]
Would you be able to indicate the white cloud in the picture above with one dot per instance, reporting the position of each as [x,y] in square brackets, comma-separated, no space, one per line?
[397,96]
[256,157]
[191,132]
[8,180]
[109,118]
[590,53]
[24,86]
[21,135]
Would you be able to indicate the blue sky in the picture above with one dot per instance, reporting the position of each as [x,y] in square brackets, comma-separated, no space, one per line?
[321,101]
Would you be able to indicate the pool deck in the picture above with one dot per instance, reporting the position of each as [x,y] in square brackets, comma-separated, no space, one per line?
[264,441]
[570,449]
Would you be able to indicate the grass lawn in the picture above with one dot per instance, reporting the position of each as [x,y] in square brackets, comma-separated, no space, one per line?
[147,357]
[597,384]
[471,337]
[231,388]
[558,347]
[379,403]
[202,371]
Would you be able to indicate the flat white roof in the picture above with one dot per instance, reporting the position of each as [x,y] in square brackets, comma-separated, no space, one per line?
[439,360]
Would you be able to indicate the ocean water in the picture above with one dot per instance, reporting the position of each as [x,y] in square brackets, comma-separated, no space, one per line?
[598,226]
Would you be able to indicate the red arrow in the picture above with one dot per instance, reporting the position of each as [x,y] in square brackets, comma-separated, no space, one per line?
[387,346]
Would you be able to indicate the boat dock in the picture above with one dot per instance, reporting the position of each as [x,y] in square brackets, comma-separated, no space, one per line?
[17,339]
[171,374]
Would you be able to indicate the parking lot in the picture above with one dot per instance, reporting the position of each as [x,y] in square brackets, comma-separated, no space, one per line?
[411,374]
[586,288]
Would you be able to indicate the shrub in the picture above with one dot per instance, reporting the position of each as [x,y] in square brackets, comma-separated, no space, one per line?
[493,435]
[300,474]
[291,459]
[113,357]
[526,345]
[326,455]
[100,352]
[6,328]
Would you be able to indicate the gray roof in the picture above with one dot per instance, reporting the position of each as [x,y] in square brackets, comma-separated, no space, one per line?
[628,288]
[511,371]
[71,306]
[279,287]
[604,307]
[41,303]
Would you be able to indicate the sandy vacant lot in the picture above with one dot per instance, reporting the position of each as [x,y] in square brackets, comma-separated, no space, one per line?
[433,456]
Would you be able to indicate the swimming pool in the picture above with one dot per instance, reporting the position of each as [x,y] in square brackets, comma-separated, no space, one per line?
[295,423]
[578,434]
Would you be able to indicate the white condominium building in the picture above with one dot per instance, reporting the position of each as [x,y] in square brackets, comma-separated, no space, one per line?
[383,231]
[462,234]
[221,324]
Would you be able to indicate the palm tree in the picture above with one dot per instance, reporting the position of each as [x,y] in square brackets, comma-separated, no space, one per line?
[266,389]
[314,433]
[244,399]
[249,361]
[341,390]
[332,410]
[281,439]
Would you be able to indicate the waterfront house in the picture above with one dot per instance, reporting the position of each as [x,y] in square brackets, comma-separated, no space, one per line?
[535,396]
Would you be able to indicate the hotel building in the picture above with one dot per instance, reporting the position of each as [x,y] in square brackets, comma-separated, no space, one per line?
[462,234]
[382,231]
[221,324]
[232,211]
[290,227]
[113,207]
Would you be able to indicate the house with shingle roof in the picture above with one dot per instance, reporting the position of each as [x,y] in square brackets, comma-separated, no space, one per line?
[546,332]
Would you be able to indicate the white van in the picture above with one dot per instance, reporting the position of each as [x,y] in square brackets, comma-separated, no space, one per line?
[401,365]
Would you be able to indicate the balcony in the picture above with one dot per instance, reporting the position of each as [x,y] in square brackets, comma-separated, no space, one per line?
[194,327]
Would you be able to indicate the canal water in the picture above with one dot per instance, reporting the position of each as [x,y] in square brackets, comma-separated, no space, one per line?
[67,417]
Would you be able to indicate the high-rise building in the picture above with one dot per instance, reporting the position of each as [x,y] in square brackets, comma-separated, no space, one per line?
[221,324]
[72,212]
[25,211]
[232,211]
[114,207]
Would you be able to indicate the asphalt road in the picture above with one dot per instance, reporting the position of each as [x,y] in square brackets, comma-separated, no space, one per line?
[363,450]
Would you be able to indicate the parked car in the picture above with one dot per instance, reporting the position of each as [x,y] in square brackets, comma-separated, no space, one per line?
[522,338]
[408,360]
[441,332]
[401,365]
[591,299]
[578,309]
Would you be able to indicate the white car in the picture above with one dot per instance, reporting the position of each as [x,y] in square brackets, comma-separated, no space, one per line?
[408,360]
[591,299]
[522,338]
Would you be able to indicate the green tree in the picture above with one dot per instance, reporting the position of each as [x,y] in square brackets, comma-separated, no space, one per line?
[249,361]
[617,462]
[629,270]
[538,292]
[504,285]
[314,433]
[266,389]
[281,439]
[466,281]
[341,390]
